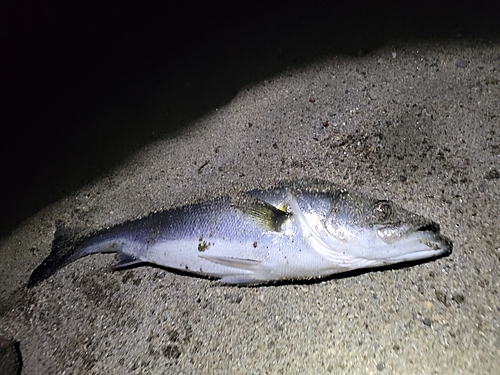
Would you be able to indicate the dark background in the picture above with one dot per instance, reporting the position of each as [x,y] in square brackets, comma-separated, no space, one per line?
[85,85]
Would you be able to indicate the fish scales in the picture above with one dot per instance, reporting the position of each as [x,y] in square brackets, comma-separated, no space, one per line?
[295,230]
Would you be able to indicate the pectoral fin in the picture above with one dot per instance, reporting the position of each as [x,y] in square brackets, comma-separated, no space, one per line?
[264,214]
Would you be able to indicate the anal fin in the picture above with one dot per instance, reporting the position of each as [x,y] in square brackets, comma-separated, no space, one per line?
[125,260]
[241,280]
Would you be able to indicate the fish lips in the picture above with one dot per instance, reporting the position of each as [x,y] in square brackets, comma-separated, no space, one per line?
[436,240]
[427,233]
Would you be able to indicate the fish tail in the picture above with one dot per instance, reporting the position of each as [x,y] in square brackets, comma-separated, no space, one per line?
[65,249]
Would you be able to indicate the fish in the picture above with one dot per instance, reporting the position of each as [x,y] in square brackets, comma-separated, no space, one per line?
[296,230]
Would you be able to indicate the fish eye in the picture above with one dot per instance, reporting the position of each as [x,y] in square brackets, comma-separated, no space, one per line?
[383,210]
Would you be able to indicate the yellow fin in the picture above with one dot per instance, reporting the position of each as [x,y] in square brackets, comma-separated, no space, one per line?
[264,214]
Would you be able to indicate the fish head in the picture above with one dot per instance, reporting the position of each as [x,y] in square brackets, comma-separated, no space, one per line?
[378,233]
[354,231]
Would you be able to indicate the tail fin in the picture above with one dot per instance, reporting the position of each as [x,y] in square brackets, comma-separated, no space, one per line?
[65,248]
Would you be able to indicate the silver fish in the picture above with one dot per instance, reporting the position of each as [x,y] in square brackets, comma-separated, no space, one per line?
[296,230]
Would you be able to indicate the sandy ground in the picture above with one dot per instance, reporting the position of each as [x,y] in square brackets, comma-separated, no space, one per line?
[413,122]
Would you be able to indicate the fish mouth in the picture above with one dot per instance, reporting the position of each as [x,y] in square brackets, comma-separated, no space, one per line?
[414,236]
[429,235]
[421,244]
[422,241]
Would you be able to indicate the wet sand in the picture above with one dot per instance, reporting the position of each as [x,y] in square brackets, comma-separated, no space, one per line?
[412,121]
